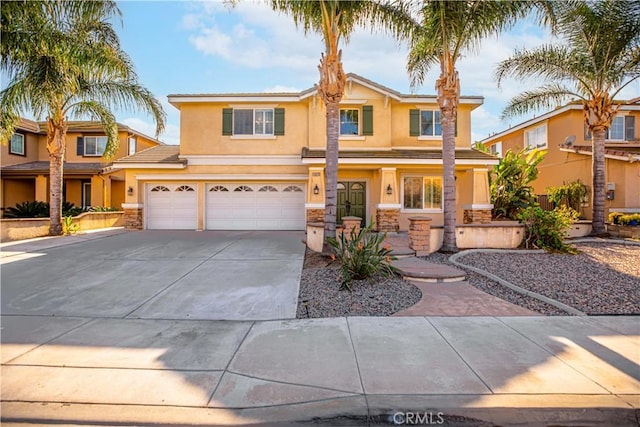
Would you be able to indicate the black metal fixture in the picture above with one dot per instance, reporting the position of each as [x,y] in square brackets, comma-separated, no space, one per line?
[316,190]
[130,191]
[389,190]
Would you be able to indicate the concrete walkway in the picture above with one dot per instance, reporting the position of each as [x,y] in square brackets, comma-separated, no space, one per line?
[508,371]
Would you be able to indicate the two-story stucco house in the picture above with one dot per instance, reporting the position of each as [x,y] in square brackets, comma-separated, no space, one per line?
[257,161]
[562,134]
[88,179]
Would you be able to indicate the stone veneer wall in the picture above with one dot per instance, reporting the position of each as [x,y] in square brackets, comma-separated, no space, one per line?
[420,235]
[477,216]
[388,220]
[133,219]
[315,215]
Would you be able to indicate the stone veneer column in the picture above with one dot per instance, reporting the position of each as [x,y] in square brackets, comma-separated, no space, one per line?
[420,235]
[349,224]
[133,218]
[477,216]
[388,220]
[315,215]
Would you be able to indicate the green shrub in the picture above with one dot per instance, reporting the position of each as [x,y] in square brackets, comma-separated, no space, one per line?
[68,226]
[103,209]
[570,195]
[28,210]
[547,229]
[69,209]
[362,255]
[614,217]
[510,182]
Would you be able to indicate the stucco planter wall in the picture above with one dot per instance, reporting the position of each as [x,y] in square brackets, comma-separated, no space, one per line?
[580,229]
[628,231]
[315,236]
[28,228]
[496,235]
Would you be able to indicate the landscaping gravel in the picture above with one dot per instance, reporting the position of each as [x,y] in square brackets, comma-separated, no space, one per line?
[320,295]
[604,278]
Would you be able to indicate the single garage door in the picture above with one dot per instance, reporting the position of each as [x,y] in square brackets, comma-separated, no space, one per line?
[172,206]
[249,206]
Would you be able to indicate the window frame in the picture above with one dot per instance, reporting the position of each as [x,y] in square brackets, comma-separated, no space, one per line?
[535,129]
[358,123]
[24,145]
[422,209]
[607,136]
[96,137]
[134,140]
[434,135]
[253,121]
[494,150]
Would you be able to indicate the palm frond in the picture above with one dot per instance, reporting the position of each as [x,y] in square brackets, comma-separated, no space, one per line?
[96,110]
[544,97]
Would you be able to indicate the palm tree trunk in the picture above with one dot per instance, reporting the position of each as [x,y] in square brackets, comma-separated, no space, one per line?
[56,146]
[331,172]
[448,87]
[598,198]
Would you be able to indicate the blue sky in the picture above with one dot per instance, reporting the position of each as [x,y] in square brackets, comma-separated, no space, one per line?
[207,47]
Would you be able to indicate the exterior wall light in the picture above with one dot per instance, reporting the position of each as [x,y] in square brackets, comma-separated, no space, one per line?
[316,190]
[130,191]
[389,190]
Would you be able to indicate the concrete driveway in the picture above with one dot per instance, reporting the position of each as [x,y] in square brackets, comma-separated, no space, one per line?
[208,275]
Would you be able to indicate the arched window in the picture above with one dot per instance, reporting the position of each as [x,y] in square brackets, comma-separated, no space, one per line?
[243,188]
[293,189]
[218,188]
[268,188]
[185,188]
[160,188]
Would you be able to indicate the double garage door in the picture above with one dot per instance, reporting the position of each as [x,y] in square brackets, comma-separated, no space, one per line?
[228,206]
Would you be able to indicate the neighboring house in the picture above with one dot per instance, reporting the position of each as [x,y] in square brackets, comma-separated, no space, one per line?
[563,135]
[88,180]
[257,161]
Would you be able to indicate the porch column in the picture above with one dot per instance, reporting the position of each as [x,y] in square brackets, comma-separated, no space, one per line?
[388,210]
[97,190]
[42,189]
[479,210]
[315,195]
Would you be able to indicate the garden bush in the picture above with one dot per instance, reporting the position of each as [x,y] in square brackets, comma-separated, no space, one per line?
[547,229]
[362,255]
[28,210]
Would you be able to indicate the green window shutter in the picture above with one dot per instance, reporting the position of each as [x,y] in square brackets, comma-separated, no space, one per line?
[80,146]
[414,122]
[278,121]
[629,128]
[227,121]
[367,120]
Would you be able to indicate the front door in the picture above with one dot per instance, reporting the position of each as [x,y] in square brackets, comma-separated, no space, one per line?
[351,200]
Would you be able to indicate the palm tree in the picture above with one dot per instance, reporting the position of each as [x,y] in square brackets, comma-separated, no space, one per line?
[600,56]
[64,60]
[447,30]
[336,20]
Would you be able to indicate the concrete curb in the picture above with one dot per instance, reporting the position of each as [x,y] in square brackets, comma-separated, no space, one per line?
[454,260]
[600,240]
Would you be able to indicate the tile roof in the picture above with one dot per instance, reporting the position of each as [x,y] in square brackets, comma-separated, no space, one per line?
[158,154]
[400,154]
[630,153]
[32,168]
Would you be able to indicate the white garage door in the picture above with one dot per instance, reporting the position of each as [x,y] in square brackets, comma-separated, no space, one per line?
[265,206]
[172,206]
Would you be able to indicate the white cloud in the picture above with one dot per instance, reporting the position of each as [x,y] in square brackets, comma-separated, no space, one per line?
[171,134]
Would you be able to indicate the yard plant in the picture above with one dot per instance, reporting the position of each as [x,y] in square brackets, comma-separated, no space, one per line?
[547,229]
[570,195]
[361,255]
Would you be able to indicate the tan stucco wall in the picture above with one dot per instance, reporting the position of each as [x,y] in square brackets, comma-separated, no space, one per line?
[31,148]
[17,191]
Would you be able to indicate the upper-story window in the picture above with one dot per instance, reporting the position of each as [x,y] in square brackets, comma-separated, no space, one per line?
[133,145]
[616,131]
[248,123]
[94,145]
[253,121]
[430,123]
[496,149]
[349,123]
[536,137]
[17,145]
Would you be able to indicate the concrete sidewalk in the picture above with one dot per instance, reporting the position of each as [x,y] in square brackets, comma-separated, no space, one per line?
[506,371]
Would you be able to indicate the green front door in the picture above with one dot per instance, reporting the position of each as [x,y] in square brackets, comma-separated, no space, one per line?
[351,200]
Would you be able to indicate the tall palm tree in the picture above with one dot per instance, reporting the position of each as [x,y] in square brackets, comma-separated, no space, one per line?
[600,56]
[447,30]
[336,20]
[64,60]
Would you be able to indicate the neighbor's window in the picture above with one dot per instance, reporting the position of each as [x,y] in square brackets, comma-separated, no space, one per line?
[536,137]
[253,121]
[17,144]
[132,146]
[94,145]
[430,123]
[496,149]
[349,122]
[616,131]
[422,192]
